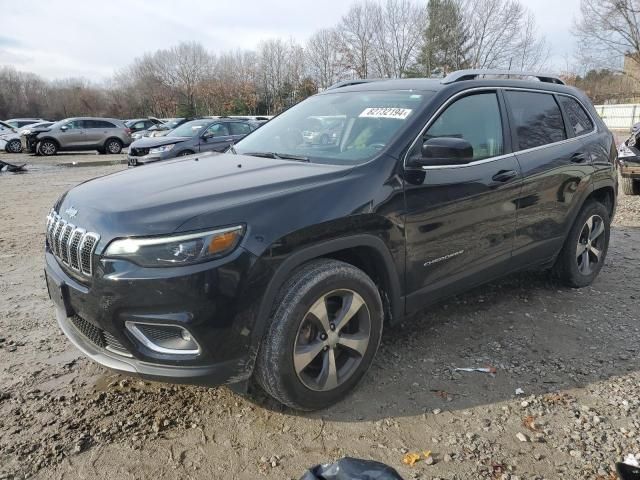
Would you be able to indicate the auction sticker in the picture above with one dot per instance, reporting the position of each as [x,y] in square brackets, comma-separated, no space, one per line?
[385,112]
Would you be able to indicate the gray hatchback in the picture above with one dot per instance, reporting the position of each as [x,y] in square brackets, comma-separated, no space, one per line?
[107,135]
[202,135]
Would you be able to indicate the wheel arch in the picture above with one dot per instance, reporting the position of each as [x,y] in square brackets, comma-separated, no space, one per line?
[104,145]
[364,251]
[606,195]
[52,139]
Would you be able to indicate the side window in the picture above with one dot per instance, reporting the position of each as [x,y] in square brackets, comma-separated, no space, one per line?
[75,124]
[476,119]
[578,118]
[537,119]
[239,128]
[216,130]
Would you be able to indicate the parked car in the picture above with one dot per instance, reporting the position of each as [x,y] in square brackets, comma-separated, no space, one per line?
[629,165]
[141,124]
[23,122]
[204,135]
[283,262]
[107,135]
[323,130]
[13,141]
[165,128]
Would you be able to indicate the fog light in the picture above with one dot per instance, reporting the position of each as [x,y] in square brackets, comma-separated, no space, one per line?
[162,338]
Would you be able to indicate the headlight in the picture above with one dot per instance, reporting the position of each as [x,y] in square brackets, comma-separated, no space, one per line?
[625,152]
[176,250]
[164,148]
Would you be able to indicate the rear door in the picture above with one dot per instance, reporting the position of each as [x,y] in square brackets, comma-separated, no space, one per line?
[216,138]
[238,130]
[461,219]
[556,173]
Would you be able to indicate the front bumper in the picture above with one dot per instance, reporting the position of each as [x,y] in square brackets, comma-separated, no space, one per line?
[134,161]
[204,299]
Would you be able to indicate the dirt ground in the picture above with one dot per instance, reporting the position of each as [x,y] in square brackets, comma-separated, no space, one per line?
[574,354]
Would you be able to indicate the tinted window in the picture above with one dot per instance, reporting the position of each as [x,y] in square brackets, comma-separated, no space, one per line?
[476,119]
[98,124]
[239,128]
[537,119]
[578,118]
[217,130]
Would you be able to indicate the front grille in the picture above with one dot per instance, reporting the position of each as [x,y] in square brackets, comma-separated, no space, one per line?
[73,246]
[139,152]
[97,336]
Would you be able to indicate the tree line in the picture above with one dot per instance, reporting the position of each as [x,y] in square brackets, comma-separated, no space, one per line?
[374,39]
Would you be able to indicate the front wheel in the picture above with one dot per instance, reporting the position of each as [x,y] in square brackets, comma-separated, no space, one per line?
[585,248]
[13,146]
[47,148]
[324,333]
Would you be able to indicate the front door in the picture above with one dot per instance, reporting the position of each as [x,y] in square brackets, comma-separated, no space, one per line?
[72,134]
[460,219]
[216,138]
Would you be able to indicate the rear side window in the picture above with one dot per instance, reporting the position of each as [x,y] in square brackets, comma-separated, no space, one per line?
[537,119]
[101,124]
[239,128]
[576,115]
[477,120]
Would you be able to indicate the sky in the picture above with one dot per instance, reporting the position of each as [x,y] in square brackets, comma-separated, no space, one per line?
[95,38]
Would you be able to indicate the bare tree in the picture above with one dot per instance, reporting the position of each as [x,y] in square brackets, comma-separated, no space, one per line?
[323,58]
[398,37]
[607,31]
[357,37]
[532,50]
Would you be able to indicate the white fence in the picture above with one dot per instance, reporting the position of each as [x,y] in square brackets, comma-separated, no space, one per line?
[619,117]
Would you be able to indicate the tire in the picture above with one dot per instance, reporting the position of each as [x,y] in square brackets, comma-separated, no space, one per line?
[327,286]
[579,262]
[13,146]
[47,148]
[185,153]
[113,146]
[630,186]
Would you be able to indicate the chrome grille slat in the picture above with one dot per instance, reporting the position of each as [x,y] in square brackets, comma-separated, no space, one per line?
[72,246]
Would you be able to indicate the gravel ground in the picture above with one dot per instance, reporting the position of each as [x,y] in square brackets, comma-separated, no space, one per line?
[574,354]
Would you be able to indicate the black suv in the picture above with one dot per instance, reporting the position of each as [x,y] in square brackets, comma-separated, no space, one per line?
[281,260]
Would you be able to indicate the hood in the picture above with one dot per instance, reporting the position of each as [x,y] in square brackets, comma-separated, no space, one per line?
[150,142]
[160,198]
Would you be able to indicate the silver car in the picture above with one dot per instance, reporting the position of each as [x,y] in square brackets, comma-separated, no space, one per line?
[107,135]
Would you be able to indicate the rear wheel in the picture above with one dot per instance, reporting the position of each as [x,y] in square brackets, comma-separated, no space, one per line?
[630,186]
[113,146]
[47,148]
[585,248]
[13,146]
[323,335]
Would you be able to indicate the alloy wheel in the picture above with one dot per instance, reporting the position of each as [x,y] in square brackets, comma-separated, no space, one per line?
[14,146]
[114,147]
[48,148]
[332,339]
[590,245]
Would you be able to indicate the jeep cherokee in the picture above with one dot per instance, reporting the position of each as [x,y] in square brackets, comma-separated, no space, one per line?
[280,261]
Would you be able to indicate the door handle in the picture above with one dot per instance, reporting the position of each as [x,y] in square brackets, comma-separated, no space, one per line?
[504,176]
[578,157]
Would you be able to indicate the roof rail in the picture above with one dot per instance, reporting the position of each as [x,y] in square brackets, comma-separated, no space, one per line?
[462,75]
[348,83]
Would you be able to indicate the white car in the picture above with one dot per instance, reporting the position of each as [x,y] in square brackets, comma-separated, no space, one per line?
[11,142]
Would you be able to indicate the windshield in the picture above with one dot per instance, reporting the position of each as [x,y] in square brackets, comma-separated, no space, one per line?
[190,129]
[344,128]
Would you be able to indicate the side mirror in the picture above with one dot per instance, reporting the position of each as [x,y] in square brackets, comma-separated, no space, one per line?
[64,128]
[443,151]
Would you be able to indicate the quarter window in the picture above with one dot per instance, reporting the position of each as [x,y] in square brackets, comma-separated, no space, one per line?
[578,118]
[476,119]
[537,119]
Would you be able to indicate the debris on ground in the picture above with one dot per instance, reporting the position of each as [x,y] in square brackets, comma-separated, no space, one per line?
[491,370]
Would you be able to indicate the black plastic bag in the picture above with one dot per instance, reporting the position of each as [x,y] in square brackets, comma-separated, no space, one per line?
[352,469]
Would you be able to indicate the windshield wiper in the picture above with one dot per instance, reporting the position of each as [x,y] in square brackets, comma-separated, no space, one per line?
[279,156]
